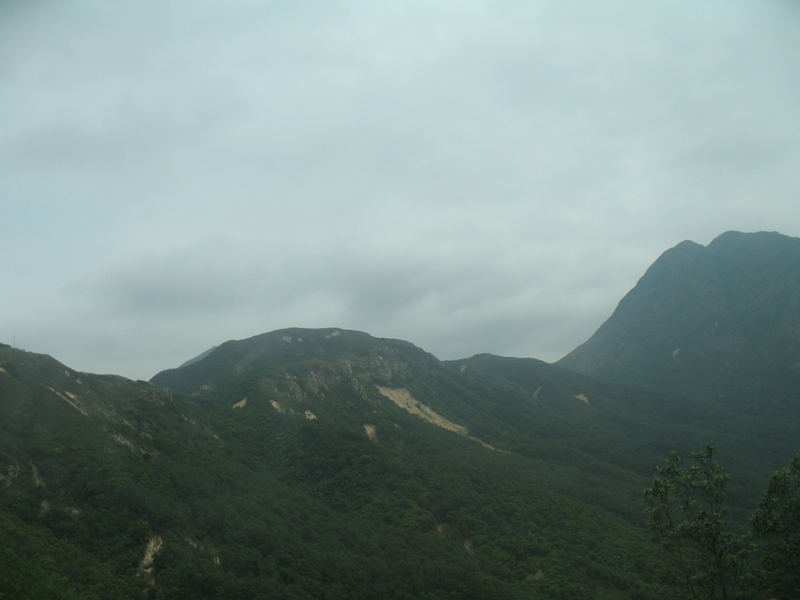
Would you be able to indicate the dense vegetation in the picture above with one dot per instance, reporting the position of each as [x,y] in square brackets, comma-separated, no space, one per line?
[688,518]
[253,503]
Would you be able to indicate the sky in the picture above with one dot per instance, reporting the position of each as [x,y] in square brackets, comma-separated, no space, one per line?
[471,176]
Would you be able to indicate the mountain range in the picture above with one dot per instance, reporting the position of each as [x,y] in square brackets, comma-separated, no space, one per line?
[326,463]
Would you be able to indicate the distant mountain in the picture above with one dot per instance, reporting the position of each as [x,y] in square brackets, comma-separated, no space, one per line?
[718,322]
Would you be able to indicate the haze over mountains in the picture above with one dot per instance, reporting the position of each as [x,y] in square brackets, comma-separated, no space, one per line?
[326,463]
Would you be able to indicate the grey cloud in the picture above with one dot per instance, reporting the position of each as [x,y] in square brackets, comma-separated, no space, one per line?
[469,176]
[173,292]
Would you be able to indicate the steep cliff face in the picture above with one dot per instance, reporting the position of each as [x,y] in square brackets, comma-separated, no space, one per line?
[719,320]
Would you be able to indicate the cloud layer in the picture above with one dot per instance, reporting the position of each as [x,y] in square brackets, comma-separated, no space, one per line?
[472,177]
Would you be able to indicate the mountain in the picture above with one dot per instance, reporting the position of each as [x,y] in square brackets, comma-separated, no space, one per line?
[371,386]
[592,440]
[719,325]
[564,421]
[721,321]
[311,464]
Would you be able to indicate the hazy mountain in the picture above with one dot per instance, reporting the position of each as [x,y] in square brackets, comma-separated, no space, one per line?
[720,321]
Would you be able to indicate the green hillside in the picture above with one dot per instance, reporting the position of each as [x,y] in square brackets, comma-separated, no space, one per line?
[256,502]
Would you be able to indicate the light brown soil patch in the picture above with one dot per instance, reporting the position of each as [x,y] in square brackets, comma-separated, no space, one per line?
[154,545]
[403,398]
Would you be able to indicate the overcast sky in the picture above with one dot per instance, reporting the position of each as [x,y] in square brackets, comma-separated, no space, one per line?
[470,176]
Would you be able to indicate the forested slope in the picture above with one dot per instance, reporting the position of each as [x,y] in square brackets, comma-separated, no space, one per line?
[255,502]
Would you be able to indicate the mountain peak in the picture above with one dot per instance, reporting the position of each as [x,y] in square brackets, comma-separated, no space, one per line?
[293,346]
[751,238]
[702,318]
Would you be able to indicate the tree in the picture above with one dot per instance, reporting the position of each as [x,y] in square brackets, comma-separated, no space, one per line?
[687,517]
[776,522]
